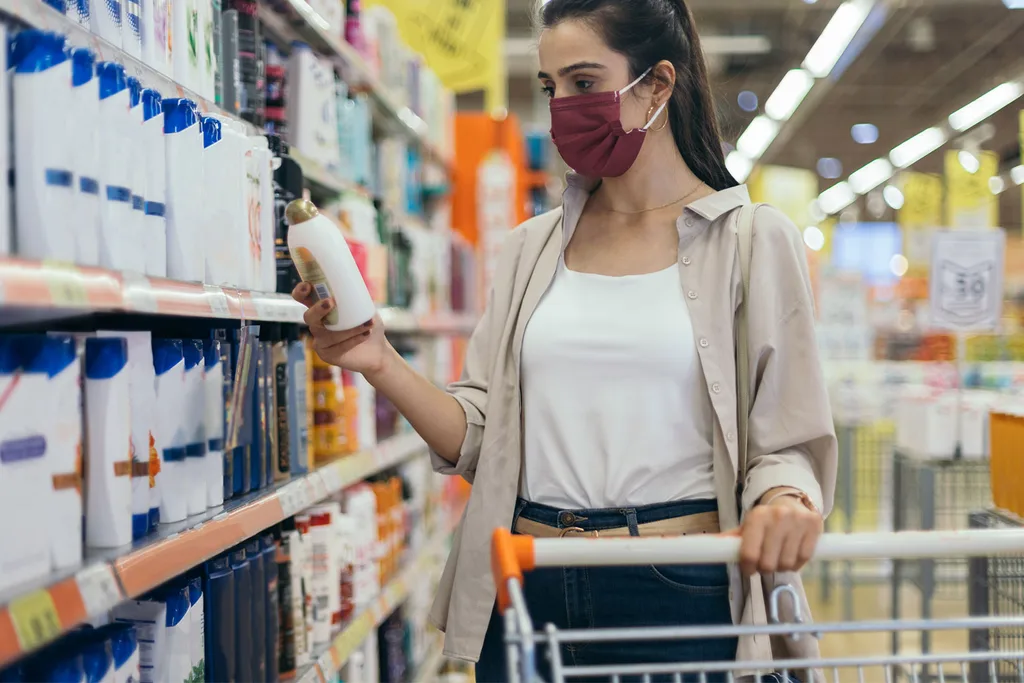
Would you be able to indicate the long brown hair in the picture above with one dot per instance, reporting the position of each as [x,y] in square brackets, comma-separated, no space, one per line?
[647,32]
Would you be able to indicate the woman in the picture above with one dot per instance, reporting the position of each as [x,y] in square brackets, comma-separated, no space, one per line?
[599,390]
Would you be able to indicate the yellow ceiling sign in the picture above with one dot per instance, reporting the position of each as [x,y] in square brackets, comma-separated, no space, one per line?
[463,41]
[969,200]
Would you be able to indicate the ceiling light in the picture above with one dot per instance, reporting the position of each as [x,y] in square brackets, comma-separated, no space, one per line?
[757,137]
[985,106]
[814,238]
[747,101]
[830,168]
[739,165]
[996,184]
[1017,175]
[1010,4]
[790,92]
[871,176]
[864,133]
[893,196]
[815,212]
[899,265]
[836,37]
[917,147]
[836,198]
[968,161]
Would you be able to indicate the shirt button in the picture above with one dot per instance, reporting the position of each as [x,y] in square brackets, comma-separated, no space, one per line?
[689,222]
[731,436]
[716,387]
[704,343]
[691,294]
[686,260]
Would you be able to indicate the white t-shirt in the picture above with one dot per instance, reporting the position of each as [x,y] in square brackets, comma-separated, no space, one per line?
[615,408]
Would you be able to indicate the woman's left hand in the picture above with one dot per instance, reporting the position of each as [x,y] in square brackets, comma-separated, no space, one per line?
[779,537]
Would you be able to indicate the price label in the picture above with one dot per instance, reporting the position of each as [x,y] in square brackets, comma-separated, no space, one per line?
[326,664]
[264,307]
[332,477]
[140,296]
[318,487]
[218,301]
[35,618]
[67,290]
[98,588]
[294,498]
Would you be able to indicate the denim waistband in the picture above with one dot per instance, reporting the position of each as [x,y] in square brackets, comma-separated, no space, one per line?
[610,518]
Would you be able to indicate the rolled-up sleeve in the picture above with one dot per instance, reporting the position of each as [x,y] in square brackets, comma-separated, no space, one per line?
[792,438]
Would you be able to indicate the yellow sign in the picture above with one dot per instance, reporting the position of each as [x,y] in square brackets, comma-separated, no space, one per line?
[463,41]
[969,199]
[920,215]
[790,190]
[35,619]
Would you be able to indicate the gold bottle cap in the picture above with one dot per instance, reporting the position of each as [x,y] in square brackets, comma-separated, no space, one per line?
[300,211]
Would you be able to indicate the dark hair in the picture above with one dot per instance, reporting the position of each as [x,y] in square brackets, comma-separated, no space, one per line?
[647,32]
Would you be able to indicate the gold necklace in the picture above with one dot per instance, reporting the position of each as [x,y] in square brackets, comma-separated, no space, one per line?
[663,206]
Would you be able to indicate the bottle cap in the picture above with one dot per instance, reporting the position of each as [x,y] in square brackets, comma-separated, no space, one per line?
[192,350]
[211,353]
[134,91]
[152,104]
[32,50]
[179,115]
[195,590]
[105,357]
[46,353]
[112,79]
[166,354]
[300,211]
[83,65]
[124,641]
[211,131]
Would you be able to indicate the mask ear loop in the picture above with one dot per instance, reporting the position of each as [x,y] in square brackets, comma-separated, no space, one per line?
[638,79]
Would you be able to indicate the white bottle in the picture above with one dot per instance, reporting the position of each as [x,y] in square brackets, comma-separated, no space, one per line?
[184,147]
[169,365]
[6,235]
[323,259]
[155,34]
[108,513]
[56,357]
[154,154]
[195,429]
[137,165]
[78,10]
[44,181]
[221,256]
[85,97]
[312,114]
[268,262]
[185,29]
[213,407]
[106,20]
[150,619]
[115,145]
[131,31]
[235,185]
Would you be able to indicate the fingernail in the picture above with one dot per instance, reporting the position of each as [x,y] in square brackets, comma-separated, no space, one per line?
[368,324]
[326,305]
[365,334]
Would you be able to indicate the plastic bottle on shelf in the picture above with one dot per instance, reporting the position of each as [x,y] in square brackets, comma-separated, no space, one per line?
[124,646]
[265,210]
[216,50]
[169,366]
[219,627]
[242,618]
[268,548]
[298,428]
[258,605]
[150,620]
[97,658]
[197,640]
[108,515]
[156,36]
[137,161]
[195,431]
[323,259]
[185,30]
[131,31]
[312,106]
[232,205]
[117,242]
[154,154]
[44,180]
[220,257]
[84,156]
[106,21]
[184,147]
[213,407]
[78,11]
[251,62]
[179,632]
[258,421]
[231,77]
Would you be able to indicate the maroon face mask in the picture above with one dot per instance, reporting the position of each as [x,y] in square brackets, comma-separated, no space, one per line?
[587,130]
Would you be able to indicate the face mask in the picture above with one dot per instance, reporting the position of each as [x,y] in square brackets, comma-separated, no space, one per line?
[587,130]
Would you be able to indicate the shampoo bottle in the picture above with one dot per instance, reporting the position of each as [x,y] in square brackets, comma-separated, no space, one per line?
[78,11]
[85,155]
[195,431]
[265,208]
[131,31]
[323,259]
[242,617]
[137,159]
[298,428]
[197,643]
[106,20]
[213,411]
[155,176]
[221,258]
[108,515]
[150,620]
[258,453]
[219,607]
[115,154]
[179,632]
[258,622]
[124,646]
[270,651]
[44,180]
[185,29]
[184,146]
[169,366]
[156,38]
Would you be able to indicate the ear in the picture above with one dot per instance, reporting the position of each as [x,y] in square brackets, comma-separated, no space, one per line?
[664,82]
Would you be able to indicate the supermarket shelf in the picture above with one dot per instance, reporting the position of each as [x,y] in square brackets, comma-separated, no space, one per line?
[324,179]
[400,321]
[34,615]
[67,288]
[391,596]
[42,16]
[296,20]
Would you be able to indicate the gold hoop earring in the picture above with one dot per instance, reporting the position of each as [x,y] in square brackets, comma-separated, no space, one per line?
[650,113]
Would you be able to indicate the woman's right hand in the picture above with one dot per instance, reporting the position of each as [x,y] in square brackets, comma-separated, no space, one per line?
[364,349]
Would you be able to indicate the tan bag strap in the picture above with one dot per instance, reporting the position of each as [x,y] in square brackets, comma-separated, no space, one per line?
[744,235]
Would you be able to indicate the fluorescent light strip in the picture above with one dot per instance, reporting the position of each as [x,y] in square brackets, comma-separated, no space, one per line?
[757,137]
[790,92]
[739,165]
[836,37]
[985,106]
[1017,175]
[836,198]
[917,147]
[870,176]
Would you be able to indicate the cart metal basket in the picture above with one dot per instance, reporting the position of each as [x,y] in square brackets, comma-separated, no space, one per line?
[512,555]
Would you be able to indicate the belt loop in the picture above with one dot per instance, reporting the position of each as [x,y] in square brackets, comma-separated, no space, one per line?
[634,528]
[521,504]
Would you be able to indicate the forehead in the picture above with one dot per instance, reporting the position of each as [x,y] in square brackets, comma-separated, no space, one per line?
[573,41]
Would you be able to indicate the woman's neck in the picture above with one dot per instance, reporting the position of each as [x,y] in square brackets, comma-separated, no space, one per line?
[658,176]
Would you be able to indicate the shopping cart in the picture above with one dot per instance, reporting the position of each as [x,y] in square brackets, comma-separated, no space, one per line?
[512,555]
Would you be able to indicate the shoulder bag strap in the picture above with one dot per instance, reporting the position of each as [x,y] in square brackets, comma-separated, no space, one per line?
[744,234]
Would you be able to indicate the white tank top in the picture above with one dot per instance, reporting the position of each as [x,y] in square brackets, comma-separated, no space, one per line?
[616,411]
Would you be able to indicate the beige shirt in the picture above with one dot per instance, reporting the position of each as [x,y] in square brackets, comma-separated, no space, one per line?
[791,437]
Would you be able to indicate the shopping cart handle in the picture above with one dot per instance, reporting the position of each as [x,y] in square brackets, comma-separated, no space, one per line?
[511,555]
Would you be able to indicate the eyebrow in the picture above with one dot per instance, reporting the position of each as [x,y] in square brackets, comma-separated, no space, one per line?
[578,66]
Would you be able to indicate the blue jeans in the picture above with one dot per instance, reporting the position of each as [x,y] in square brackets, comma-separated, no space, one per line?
[619,597]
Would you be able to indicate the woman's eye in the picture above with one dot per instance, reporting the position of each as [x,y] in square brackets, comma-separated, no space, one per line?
[584,86]
[548,90]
